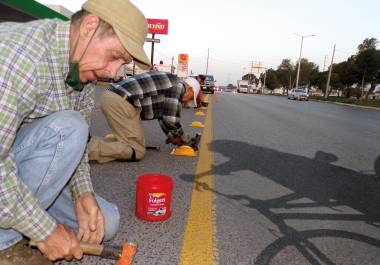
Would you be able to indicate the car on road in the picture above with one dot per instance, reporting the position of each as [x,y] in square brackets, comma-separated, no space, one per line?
[297,93]
[209,84]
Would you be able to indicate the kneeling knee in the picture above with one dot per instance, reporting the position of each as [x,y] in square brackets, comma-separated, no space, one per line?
[71,126]
[112,222]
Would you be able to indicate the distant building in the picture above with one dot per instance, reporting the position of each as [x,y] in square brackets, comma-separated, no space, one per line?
[279,91]
[166,68]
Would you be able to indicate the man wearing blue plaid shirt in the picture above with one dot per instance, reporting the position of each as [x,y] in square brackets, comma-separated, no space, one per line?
[46,194]
[147,96]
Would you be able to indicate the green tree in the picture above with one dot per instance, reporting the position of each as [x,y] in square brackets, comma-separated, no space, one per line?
[368,63]
[308,72]
[250,77]
[285,73]
[368,44]
[348,73]
[320,80]
[271,80]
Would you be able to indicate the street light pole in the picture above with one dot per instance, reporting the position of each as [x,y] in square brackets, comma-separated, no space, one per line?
[208,55]
[299,58]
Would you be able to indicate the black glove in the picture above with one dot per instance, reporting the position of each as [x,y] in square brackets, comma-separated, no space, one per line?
[176,140]
[185,139]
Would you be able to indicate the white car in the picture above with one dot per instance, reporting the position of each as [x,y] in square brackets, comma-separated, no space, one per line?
[297,93]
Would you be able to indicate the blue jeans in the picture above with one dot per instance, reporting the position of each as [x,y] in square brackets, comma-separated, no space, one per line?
[47,153]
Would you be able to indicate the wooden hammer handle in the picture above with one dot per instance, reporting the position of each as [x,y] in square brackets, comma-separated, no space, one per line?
[91,249]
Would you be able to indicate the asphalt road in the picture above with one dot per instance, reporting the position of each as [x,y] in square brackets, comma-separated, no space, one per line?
[293,183]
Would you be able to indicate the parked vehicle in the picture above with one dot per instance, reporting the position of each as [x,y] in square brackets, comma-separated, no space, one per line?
[209,84]
[299,94]
[242,86]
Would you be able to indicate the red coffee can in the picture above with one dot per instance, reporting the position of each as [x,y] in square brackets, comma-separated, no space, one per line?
[153,197]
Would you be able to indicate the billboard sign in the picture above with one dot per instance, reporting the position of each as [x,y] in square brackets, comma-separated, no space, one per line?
[158,26]
[183,64]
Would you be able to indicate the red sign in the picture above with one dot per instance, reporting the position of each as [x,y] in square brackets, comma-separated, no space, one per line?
[183,62]
[158,26]
[183,58]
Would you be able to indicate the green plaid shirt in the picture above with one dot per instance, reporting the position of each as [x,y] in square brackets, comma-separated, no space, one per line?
[33,66]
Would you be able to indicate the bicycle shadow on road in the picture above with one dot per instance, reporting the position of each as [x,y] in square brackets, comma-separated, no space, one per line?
[316,178]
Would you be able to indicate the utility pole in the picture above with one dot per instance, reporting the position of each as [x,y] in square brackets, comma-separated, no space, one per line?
[171,68]
[208,55]
[299,58]
[250,74]
[330,70]
[324,63]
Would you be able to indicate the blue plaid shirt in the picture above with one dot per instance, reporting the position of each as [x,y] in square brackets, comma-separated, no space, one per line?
[157,94]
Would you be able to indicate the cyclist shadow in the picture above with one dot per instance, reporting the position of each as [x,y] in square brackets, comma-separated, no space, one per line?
[314,178]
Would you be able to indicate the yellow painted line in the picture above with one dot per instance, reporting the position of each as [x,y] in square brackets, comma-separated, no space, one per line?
[199,243]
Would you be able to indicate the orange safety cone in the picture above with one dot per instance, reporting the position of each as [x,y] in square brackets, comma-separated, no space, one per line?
[200,113]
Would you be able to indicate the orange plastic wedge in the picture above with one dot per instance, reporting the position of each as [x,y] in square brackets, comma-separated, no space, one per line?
[184,150]
[197,124]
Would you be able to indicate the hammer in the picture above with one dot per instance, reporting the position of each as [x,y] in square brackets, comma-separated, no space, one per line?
[124,254]
[156,148]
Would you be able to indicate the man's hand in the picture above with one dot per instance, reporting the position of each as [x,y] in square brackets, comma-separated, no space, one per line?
[62,244]
[90,219]
[175,140]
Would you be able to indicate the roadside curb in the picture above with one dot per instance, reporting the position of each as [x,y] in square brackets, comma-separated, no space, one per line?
[346,104]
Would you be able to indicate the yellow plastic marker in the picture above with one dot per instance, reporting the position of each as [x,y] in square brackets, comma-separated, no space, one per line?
[197,124]
[205,99]
[199,113]
[203,108]
[184,150]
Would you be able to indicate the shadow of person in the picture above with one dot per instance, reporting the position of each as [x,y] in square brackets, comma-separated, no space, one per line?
[377,167]
[314,178]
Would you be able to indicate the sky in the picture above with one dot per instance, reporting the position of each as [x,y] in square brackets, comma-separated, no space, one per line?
[241,31]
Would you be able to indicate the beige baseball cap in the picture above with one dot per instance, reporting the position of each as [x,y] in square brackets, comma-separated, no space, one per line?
[128,22]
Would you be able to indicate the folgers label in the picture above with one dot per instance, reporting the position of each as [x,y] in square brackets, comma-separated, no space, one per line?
[153,197]
[156,204]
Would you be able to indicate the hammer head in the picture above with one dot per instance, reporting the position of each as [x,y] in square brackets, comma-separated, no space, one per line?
[128,253]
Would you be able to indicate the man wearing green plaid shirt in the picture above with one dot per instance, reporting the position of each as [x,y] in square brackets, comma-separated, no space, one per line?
[46,193]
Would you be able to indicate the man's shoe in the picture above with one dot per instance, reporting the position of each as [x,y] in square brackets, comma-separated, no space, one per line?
[22,254]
